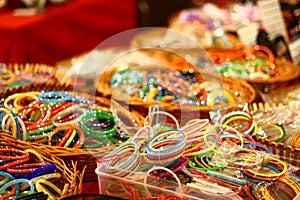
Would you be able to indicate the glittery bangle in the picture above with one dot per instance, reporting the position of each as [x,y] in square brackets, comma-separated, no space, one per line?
[55,97]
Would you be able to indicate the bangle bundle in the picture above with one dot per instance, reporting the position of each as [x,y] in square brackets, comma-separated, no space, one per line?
[24,174]
[209,159]
[58,118]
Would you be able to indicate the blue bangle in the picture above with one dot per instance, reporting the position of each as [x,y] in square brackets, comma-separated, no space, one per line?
[5,174]
[258,146]
[16,120]
[46,169]
[55,97]
[16,182]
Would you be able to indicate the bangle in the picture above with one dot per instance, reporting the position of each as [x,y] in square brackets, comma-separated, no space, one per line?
[40,188]
[53,176]
[173,150]
[269,176]
[226,178]
[15,122]
[258,146]
[55,97]
[15,160]
[46,169]
[195,129]
[180,190]
[9,177]
[69,129]
[244,158]
[16,99]
[16,182]
[38,155]
[71,138]
[67,112]
[276,138]
[58,107]
[154,121]
[24,168]
[124,159]
[98,134]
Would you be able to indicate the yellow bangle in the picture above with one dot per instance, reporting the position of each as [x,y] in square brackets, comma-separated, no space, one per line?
[38,155]
[284,169]
[54,176]
[32,95]
[40,188]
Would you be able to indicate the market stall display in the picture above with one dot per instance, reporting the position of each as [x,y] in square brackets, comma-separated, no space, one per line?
[73,126]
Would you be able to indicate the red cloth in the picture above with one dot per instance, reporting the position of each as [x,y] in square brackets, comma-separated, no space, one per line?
[63,31]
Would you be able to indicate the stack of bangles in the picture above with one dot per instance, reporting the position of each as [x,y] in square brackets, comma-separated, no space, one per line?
[25,174]
[58,118]
[205,160]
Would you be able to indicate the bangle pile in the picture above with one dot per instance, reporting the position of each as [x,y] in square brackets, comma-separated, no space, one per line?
[24,173]
[58,118]
[206,159]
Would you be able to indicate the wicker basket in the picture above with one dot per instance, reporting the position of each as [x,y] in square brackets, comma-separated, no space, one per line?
[56,75]
[288,70]
[244,93]
[72,176]
[85,158]
[286,153]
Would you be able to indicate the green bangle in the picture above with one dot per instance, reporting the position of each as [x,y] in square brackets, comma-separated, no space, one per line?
[39,130]
[4,181]
[38,136]
[70,139]
[202,168]
[98,133]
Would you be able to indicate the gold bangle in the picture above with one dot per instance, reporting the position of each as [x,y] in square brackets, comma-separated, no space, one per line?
[40,188]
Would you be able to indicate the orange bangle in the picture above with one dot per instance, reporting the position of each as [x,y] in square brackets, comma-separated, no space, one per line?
[69,129]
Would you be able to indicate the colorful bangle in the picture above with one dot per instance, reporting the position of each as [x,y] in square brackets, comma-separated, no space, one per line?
[69,129]
[39,184]
[67,112]
[45,169]
[55,97]
[98,134]
[244,158]
[175,147]
[16,182]
[276,138]
[124,159]
[264,176]
[15,122]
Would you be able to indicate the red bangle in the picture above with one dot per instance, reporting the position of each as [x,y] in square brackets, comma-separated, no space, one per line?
[24,168]
[11,193]
[60,107]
